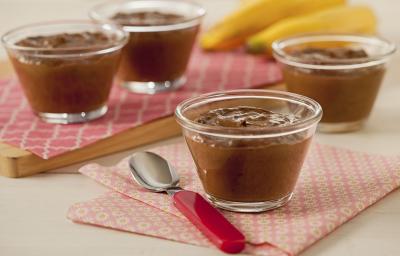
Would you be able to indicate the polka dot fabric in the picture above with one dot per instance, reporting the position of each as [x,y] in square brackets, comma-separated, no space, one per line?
[334,186]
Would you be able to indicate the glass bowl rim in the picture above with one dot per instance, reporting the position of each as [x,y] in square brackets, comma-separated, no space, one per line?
[187,23]
[71,51]
[285,58]
[239,132]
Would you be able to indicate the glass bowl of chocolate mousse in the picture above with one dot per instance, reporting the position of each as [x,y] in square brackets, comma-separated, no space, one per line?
[162,35]
[248,145]
[66,68]
[343,73]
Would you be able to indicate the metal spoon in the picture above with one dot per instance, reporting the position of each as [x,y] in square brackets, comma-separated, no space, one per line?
[156,174]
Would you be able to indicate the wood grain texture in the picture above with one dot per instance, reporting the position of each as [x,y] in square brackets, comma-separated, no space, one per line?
[16,162]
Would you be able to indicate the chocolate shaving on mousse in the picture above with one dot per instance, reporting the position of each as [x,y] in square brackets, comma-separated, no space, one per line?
[147,18]
[63,43]
[320,56]
[67,40]
[244,116]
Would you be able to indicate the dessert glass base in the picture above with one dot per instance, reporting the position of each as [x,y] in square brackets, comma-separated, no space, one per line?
[340,127]
[154,87]
[249,206]
[71,118]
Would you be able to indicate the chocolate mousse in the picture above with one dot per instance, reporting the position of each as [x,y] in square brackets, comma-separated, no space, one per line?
[59,78]
[244,116]
[147,18]
[322,56]
[346,95]
[67,40]
[157,55]
[243,169]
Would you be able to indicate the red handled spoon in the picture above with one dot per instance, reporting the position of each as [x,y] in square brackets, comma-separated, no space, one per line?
[156,174]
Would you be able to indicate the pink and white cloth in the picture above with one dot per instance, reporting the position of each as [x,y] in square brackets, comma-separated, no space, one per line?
[335,185]
[207,72]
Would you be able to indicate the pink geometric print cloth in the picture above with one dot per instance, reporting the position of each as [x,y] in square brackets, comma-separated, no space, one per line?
[334,186]
[207,72]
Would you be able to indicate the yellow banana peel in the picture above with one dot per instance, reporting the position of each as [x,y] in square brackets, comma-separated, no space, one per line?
[254,16]
[344,19]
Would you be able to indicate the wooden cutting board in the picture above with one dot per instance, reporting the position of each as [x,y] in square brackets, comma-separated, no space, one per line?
[16,162]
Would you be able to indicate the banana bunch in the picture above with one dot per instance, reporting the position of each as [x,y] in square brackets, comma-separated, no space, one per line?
[257,23]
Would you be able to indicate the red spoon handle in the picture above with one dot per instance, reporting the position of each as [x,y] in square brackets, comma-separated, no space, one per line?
[209,221]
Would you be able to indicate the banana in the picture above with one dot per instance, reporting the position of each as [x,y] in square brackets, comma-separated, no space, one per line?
[254,16]
[344,19]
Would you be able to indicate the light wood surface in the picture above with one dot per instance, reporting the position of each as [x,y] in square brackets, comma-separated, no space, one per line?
[33,209]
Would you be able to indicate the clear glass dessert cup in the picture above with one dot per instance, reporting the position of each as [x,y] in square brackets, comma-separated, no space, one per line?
[249,169]
[156,57]
[345,88]
[66,84]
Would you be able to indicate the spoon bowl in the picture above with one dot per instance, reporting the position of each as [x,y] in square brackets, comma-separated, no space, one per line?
[153,172]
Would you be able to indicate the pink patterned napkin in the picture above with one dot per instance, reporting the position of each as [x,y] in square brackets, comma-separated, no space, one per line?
[335,185]
[207,72]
